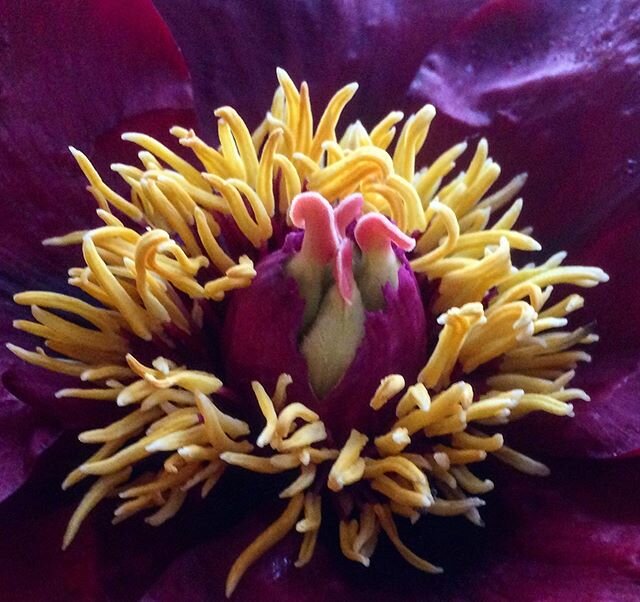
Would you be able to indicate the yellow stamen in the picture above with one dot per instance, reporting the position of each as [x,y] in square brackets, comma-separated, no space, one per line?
[389,387]
[386,522]
[349,467]
[99,490]
[155,282]
[264,542]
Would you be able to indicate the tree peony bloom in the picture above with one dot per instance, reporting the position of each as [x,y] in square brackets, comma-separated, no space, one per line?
[316,342]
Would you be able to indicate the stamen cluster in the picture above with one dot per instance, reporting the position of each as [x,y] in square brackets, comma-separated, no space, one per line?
[188,238]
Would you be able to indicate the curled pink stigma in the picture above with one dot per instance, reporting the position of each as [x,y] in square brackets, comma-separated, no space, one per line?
[374,232]
[348,210]
[311,212]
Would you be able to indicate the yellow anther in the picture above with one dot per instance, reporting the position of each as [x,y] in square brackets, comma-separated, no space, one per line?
[389,387]
[343,177]
[383,133]
[327,124]
[161,151]
[243,142]
[349,466]
[458,323]
[96,183]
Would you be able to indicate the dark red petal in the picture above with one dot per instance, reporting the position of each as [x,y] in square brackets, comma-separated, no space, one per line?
[78,74]
[73,75]
[104,562]
[233,49]
[555,89]
[609,425]
[25,435]
[573,536]
[614,245]
[25,432]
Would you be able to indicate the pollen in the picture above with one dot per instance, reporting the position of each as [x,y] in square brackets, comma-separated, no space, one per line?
[188,236]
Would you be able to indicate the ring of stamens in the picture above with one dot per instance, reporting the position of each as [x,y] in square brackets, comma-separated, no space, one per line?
[161,256]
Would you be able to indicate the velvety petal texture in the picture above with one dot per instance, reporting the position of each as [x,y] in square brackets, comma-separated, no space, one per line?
[95,66]
[73,75]
[555,88]
[233,49]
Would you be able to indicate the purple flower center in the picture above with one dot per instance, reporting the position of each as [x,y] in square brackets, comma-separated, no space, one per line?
[337,307]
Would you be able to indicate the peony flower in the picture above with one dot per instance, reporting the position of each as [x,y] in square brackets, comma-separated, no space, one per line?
[319,336]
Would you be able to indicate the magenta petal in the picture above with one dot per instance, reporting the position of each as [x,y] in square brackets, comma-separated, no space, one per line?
[555,90]
[614,245]
[233,49]
[607,426]
[25,432]
[77,74]
[103,563]
[34,567]
[114,69]
[73,75]
[573,536]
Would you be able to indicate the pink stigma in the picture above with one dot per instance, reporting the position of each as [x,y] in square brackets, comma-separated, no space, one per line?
[311,212]
[348,210]
[374,232]
[342,270]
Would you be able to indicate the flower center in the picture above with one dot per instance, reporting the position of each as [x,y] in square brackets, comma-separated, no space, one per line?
[325,338]
[354,293]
